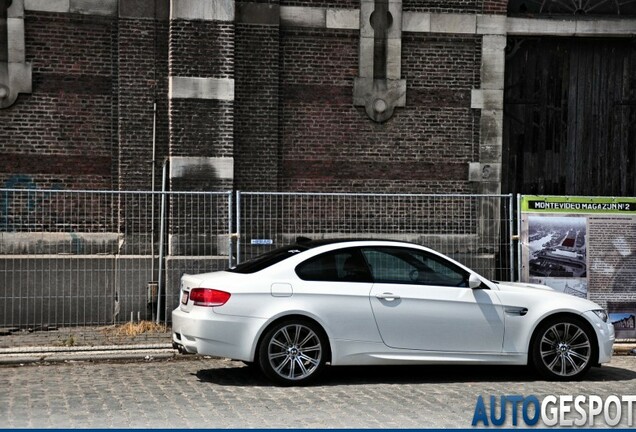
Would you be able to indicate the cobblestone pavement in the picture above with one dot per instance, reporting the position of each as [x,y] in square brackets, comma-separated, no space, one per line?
[217,393]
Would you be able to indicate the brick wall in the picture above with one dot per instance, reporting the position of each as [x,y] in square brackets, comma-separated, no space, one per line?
[202,49]
[442,6]
[327,144]
[143,71]
[292,125]
[343,4]
[62,135]
[256,107]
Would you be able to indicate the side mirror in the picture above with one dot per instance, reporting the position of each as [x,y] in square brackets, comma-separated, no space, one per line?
[473,281]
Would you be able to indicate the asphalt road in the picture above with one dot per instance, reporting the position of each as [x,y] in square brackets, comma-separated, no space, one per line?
[213,393]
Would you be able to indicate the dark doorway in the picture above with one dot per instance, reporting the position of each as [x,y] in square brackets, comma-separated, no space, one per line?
[570,116]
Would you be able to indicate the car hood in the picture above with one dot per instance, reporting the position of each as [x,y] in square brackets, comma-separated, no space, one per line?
[522,286]
[546,293]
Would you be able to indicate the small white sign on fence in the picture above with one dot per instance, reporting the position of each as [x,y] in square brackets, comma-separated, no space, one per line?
[262,241]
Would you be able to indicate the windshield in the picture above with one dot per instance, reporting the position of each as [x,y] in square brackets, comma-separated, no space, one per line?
[268,259]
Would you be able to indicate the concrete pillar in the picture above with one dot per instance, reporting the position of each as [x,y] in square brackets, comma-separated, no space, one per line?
[489,98]
[201,94]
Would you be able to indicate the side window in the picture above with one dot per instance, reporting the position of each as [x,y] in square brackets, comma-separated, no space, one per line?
[413,266]
[346,265]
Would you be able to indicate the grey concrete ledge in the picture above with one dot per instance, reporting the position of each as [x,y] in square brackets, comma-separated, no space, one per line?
[201,88]
[84,7]
[187,166]
[84,348]
[103,355]
[206,10]
[487,99]
[576,27]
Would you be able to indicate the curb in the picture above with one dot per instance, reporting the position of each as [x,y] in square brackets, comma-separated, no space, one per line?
[102,353]
[27,355]
[622,349]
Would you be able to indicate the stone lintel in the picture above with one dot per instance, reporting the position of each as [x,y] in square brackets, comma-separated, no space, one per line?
[346,19]
[62,6]
[491,24]
[454,23]
[201,88]
[549,27]
[94,7]
[196,166]
[417,22]
[606,27]
[258,13]
[300,16]
[616,27]
[84,7]
[145,9]
[206,10]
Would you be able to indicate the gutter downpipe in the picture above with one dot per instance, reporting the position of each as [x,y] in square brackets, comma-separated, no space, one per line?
[161,240]
[152,204]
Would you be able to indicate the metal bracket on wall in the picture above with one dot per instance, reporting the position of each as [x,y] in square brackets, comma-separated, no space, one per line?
[378,87]
[15,73]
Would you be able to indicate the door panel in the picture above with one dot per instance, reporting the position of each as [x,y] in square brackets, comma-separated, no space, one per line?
[437,318]
[422,301]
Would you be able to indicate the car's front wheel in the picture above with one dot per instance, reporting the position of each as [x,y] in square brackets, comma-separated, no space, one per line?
[563,349]
[293,352]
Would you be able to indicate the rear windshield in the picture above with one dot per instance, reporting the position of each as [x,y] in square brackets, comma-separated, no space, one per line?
[268,259]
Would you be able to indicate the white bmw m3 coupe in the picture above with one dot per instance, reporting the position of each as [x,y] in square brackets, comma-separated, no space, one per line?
[296,309]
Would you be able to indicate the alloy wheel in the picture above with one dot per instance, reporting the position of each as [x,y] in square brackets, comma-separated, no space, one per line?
[565,349]
[294,352]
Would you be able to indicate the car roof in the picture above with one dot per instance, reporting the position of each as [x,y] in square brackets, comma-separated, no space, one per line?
[309,243]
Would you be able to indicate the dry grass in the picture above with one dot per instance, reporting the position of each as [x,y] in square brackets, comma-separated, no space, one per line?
[135,329]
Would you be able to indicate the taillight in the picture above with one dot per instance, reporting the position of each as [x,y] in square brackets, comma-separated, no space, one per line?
[208,297]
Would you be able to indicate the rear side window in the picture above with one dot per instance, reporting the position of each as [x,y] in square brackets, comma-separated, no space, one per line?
[267,259]
[344,265]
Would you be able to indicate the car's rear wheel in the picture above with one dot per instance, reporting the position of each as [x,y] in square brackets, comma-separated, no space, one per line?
[564,349]
[293,352]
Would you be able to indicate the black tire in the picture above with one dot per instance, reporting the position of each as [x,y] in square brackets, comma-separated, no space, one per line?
[564,349]
[293,352]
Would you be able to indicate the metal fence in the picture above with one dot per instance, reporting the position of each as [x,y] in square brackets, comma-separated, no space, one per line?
[79,258]
[85,258]
[474,229]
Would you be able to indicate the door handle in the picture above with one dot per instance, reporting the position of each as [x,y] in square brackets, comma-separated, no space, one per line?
[387,296]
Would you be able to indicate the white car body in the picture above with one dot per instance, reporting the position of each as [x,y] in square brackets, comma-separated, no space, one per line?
[370,323]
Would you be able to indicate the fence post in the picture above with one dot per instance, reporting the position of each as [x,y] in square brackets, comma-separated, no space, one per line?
[519,261]
[238,227]
[162,229]
[512,236]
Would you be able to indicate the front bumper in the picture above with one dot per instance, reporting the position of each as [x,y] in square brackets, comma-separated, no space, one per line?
[604,334]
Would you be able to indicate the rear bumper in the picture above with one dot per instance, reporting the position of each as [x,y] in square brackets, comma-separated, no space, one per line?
[201,331]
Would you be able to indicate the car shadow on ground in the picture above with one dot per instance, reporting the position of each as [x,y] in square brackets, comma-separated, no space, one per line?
[360,375]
